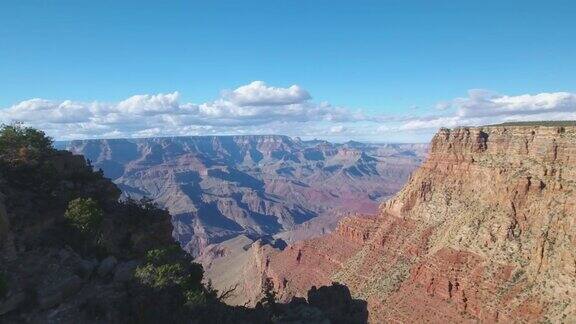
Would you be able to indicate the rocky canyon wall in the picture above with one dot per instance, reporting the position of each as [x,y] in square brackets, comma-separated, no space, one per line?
[484,230]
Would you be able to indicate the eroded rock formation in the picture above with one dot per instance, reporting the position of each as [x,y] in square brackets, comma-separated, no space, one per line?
[219,187]
[484,230]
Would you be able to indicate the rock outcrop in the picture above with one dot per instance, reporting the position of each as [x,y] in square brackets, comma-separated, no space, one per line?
[484,230]
[46,280]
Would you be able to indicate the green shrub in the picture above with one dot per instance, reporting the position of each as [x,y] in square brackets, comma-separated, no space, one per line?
[164,255]
[161,276]
[23,144]
[84,215]
[195,297]
[169,270]
[3,285]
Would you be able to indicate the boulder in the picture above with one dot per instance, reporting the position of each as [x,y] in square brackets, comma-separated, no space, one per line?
[125,271]
[106,266]
[86,267]
[53,294]
[11,302]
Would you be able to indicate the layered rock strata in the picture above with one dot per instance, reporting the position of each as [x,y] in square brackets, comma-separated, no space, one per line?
[484,230]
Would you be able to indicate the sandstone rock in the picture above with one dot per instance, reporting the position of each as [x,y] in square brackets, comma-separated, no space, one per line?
[483,231]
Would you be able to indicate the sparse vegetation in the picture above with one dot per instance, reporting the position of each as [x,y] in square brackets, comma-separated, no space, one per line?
[161,276]
[164,255]
[196,298]
[84,215]
[170,268]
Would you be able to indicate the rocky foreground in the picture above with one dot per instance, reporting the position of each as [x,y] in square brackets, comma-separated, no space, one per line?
[484,230]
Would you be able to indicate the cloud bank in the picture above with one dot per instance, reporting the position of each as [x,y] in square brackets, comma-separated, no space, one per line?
[483,107]
[257,108]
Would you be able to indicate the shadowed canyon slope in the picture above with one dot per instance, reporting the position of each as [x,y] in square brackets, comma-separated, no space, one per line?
[71,252]
[219,187]
[484,230]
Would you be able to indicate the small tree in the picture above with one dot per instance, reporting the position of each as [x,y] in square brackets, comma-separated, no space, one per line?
[84,215]
[22,144]
[170,266]
[161,276]
[169,270]
[269,299]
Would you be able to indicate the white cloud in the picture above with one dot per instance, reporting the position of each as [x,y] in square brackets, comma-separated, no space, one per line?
[150,104]
[338,129]
[150,132]
[255,104]
[483,107]
[46,110]
[482,103]
[258,93]
[434,123]
[259,109]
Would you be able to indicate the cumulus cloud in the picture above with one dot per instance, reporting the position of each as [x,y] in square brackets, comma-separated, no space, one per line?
[251,105]
[482,103]
[258,93]
[143,105]
[257,108]
[54,112]
[483,107]
[338,129]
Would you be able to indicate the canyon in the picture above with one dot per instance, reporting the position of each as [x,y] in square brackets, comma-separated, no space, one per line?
[483,231]
[220,187]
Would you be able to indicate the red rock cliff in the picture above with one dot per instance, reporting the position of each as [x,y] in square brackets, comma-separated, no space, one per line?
[484,230]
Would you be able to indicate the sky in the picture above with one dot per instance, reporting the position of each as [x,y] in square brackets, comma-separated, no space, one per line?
[381,71]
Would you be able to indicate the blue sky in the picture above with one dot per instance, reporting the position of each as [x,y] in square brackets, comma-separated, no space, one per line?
[391,61]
